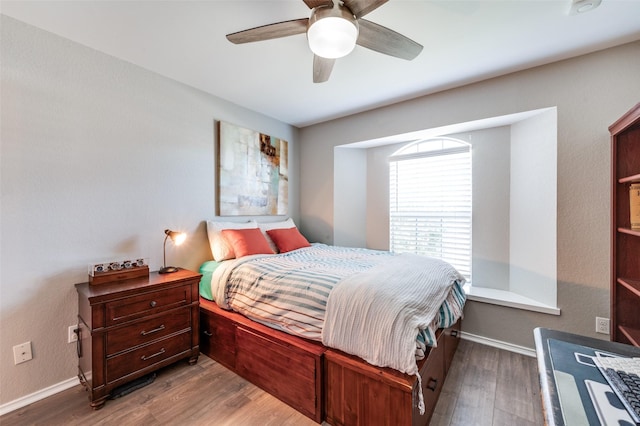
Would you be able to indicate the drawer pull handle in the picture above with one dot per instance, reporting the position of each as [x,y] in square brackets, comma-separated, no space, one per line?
[432,385]
[454,333]
[208,333]
[155,330]
[153,303]
[144,357]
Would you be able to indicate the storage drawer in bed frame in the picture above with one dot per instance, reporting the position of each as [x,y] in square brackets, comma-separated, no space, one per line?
[359,394]
[286,366]
[323,383]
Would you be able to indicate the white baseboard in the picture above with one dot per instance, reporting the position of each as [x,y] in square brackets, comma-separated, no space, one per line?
[38,395]
[499,344]
[69,383]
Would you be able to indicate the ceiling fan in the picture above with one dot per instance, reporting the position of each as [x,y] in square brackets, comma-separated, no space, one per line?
[333,29]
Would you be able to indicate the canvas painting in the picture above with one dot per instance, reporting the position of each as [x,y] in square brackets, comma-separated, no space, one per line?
[252,173]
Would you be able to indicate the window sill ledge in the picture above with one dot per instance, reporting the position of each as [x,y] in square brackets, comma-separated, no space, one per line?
[509,299]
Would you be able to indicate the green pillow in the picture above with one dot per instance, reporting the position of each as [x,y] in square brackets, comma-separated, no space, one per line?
[206,269]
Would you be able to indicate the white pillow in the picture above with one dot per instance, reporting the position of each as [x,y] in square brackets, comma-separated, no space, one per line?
[267,226]
[221,249]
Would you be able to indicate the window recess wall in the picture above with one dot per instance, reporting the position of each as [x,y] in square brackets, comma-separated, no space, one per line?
[514,166]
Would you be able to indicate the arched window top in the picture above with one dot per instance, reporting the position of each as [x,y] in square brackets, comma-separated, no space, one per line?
[430,201]
[433,146]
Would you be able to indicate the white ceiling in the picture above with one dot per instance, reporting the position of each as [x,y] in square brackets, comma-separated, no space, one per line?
[464,41]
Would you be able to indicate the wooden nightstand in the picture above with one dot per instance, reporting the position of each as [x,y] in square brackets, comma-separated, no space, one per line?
[131,328]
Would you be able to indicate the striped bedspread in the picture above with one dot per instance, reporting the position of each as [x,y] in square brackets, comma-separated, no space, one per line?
[290,291]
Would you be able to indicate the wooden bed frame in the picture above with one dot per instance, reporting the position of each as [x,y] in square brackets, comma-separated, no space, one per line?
[323,383]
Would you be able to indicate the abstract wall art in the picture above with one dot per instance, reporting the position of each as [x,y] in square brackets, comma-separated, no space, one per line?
[252,172]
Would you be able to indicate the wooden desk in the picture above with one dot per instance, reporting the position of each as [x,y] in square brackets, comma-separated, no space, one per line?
[568,379]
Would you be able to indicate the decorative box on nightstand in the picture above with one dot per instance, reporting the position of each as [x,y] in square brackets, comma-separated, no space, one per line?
[131,328]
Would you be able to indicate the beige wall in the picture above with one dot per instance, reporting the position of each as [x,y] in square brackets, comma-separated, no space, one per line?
[98,157]
[590,92]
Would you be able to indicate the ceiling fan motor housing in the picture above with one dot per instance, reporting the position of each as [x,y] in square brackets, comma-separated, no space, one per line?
[332,31]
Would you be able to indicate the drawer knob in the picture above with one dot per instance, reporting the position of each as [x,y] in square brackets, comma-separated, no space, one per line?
[155,330]
[153,303]
[144,357]
[432,385]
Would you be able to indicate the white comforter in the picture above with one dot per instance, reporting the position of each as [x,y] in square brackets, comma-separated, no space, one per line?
[376,314]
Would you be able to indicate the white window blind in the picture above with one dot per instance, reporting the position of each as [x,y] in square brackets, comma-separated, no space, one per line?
[430,201]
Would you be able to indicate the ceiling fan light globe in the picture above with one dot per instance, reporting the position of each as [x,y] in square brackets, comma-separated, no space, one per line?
[332,37]
[332,31]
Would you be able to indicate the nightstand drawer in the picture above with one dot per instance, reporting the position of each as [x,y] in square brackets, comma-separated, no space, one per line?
[122,365]
[134,327]
[148,330]
[146,304]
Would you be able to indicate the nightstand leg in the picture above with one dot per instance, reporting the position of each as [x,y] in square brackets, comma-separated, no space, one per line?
[193,360]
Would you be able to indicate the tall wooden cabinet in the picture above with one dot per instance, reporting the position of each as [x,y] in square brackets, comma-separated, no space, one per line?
[625,242]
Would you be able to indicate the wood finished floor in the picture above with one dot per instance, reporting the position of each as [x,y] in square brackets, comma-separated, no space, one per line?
[485,386]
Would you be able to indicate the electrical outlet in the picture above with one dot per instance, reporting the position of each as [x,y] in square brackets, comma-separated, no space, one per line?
[602,325]
[72,336]
[22,353]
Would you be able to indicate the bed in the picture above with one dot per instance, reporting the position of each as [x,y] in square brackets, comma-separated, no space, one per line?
[343,335]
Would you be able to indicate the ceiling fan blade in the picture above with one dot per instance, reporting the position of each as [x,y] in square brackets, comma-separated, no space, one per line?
[322,68]
[315,3]
[361,7]
[271,31]
[383,40]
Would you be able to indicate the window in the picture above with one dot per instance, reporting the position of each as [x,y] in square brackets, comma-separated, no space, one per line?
[514,202]
[430,201]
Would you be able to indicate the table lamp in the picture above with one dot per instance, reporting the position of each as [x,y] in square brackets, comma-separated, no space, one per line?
[177,238]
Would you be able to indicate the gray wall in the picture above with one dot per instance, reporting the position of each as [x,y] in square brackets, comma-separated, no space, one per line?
[590,92]
[98,157]
[533,199]
[350,192]
[491,179]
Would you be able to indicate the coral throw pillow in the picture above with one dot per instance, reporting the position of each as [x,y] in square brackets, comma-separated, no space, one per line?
[247,241]
[221,249]
[288,239]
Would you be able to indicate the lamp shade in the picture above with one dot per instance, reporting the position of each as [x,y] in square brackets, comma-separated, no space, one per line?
[177,238]
[332,31]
